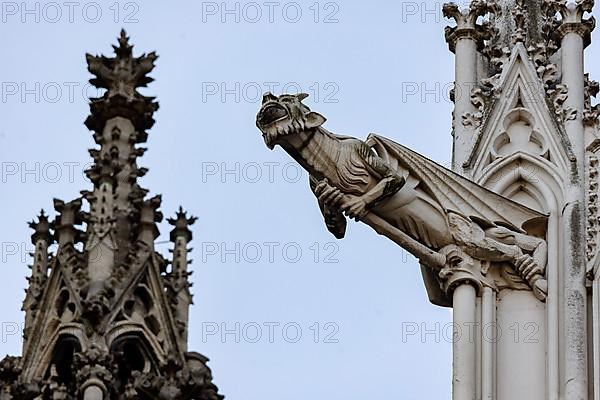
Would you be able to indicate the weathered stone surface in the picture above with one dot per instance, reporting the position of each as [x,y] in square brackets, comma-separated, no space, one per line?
[525,135]
[412,200]
[105,316]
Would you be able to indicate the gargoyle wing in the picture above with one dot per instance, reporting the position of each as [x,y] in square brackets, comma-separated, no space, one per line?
[458,194]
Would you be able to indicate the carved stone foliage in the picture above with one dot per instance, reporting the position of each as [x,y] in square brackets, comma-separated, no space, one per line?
[121,76]
[558,96]
[593,219]
[572,15]
[467,22]
[540,31]
[518,24]
[505,26]
[94,364]
[479,99]
[190,381]
[9,377]
[591,112]
[115,374]
[547,71]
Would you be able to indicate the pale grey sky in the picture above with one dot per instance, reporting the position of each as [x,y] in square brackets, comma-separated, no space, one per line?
[264,262]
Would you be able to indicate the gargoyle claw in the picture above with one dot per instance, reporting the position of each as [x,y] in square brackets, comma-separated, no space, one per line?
[328,195]
[355,208]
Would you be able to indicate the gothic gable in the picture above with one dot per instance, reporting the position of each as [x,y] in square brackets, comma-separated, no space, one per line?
[518,118]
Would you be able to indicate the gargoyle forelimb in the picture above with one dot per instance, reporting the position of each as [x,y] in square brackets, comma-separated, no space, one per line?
[334,203]
[390,182]
[334,219]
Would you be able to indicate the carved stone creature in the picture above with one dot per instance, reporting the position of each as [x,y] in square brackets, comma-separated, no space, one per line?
[415,202]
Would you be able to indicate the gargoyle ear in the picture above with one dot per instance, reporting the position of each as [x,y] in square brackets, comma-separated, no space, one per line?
[268,97]
[314,120]
[302,96]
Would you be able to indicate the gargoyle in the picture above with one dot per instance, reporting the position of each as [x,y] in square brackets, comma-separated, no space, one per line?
[417,203]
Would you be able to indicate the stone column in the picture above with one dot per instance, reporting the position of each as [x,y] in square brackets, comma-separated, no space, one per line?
[575,34]
[464,354]
[93,389]
[462,279]
[464,40]
[488,337]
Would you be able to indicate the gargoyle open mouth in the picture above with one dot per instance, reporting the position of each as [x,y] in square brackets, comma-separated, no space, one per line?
[271,113]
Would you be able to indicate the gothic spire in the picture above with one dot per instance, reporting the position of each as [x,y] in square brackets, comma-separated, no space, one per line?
[105,320]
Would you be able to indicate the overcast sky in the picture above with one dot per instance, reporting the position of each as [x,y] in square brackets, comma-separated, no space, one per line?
[282,309]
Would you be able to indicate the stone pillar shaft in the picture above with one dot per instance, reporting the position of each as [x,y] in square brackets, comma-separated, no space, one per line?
[574,79]
[465,81]
[93,392]
[464,354]
[575,350]
[488,305]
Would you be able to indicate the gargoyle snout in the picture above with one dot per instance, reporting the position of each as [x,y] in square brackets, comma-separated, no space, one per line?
[271,112]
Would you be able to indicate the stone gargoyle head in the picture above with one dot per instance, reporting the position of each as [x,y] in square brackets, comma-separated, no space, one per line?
[285,115]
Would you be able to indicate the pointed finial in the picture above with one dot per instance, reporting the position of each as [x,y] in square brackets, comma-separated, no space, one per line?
[125,49]
[42,220]
[181,225]
[41,228]
[121,76]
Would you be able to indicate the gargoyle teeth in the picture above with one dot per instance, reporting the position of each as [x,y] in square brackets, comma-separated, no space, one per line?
[296,126]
